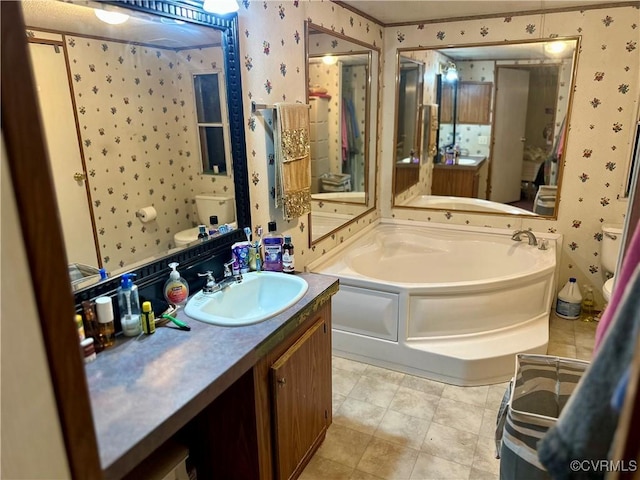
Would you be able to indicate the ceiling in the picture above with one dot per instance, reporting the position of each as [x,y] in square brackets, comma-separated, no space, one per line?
[389,12]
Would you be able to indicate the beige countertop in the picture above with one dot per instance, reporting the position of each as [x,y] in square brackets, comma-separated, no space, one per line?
[145,389]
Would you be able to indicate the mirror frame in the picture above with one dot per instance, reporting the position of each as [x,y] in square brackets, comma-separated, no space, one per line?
[561,161]
[370,197]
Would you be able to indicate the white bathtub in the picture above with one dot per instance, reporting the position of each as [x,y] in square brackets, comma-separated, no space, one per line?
[352,197]
[462,203]
[454,304]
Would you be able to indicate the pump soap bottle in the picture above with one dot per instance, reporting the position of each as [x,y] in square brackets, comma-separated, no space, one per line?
[129,304]
[176,289]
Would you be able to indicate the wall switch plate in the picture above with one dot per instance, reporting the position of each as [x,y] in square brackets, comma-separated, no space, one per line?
[483,140]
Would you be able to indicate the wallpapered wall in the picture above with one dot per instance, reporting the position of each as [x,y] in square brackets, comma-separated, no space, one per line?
[137,125]
[602,122]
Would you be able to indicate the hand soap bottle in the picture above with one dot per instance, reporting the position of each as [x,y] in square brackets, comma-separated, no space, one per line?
[176,289]
[129,305]
[273,250]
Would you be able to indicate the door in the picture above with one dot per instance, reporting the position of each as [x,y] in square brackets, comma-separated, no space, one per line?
[301,386]
[508,134]
[59,125]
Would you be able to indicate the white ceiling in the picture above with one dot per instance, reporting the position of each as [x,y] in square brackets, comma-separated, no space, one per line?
[401,11]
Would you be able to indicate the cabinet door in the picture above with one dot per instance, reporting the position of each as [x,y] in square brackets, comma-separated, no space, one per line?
[301,386]
[474,103]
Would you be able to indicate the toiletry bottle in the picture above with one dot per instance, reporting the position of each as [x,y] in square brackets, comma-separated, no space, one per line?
[569,301]
[202,232]
[176,289]
[104,309]
[80,327]
[213,227]
[287,255]
[273,249]
[588,305]
[148,319]
[88,350]
[129,305]
[91,328]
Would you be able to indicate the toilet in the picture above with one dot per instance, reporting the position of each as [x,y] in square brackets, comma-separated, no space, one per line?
[609,252]
[206,205]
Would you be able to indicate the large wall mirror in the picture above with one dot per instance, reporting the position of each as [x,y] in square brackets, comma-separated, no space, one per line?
[136,114]
[342,79]
[501,116]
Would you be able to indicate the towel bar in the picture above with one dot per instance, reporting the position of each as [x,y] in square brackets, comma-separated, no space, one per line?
[264,106]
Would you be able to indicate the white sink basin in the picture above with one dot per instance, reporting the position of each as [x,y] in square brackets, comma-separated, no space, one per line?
[467,161]
[258,297]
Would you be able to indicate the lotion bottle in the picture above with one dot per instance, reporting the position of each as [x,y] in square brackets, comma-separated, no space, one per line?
[176,289]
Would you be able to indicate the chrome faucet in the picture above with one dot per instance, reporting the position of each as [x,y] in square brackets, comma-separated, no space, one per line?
[532,238]
[229,279]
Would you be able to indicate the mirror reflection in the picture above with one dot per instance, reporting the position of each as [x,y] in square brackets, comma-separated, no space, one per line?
[502,116]
[342,76]
[135,117]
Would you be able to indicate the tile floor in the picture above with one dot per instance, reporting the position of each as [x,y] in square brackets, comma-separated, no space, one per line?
[389,425]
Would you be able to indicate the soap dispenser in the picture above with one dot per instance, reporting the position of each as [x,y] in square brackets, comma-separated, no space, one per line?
[129,305]
[176,289]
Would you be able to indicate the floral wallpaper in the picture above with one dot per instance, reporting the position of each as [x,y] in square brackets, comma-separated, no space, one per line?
[598,148]
[136,121]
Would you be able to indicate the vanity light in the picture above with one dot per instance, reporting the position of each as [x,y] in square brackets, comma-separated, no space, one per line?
[112,18]
[451,74]
[329,60]
[555,47]
[220,7]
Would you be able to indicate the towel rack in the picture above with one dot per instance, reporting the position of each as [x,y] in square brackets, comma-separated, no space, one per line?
[264,106]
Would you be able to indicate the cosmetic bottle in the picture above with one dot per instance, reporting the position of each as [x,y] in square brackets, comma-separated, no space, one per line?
[148,319]
[104,310]
[273,249]
[213,225]
[91,328]
[202,232]
[287,255]
[129,306]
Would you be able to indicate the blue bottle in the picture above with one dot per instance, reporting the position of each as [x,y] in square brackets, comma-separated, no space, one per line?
[273,243]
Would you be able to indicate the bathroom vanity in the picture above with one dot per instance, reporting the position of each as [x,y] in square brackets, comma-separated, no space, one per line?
[459,180]
[247,402]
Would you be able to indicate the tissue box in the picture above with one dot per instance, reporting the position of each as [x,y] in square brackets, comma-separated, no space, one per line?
[537,394]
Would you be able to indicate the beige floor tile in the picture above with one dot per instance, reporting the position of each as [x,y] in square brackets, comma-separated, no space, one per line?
[423,385]
[496,392]
[585,327]
[384,374]
[429,467]
[561,350]
[472,395]
[557,323]
[374,391]
[336,401]
[459,415]
[388,460]
[358,415]
[349,365]
[360,475]
[402,429]
[344,445]
[488,426]
[343,381]
[585,340]
[450,444]
[562,336]
[584,353]
[322,469]
[482,475]
[485,456]
[414,403]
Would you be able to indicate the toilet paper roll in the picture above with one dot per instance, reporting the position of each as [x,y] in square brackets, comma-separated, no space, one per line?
[147,214]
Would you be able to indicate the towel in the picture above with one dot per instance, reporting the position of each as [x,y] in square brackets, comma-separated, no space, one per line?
[586,426]
[292,159]
[629,264]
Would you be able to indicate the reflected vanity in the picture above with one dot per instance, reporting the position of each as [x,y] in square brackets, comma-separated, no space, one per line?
[123,108]
[342,79]
[502,113]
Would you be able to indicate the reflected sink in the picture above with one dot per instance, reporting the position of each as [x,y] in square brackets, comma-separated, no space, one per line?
[258,297]
[467,161]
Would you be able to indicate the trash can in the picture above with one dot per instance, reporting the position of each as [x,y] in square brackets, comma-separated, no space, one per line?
[536,395]
[335,182]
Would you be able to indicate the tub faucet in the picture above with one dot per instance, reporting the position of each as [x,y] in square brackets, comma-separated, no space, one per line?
[532,238]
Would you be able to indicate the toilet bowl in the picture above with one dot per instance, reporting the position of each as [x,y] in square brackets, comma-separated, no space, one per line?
[609,252]
[206,206]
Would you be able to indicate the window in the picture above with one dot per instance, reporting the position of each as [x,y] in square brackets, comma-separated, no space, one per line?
[212,119]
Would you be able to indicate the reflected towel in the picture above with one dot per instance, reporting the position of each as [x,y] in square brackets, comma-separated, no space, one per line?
[292,159]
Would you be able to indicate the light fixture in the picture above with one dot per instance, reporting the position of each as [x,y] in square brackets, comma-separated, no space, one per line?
[555,47]
[112,18]
[220,7]
[451,73]
[329,59]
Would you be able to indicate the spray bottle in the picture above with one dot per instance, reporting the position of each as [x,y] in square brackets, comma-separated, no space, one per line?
[129,304]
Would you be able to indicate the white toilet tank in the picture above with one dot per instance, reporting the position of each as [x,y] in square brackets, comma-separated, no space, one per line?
[610,248]
[222,206]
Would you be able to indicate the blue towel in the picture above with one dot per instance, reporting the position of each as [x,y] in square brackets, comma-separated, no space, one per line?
[586,426]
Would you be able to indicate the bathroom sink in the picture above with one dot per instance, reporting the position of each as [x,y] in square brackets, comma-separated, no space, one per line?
[467,161]
[257,297]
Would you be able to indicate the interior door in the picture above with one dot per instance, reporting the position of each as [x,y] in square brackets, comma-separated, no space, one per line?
[58,120]
[512,93]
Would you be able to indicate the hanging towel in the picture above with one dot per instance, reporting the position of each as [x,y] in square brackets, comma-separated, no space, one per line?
[586,426]
[292,159]
[629,264]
